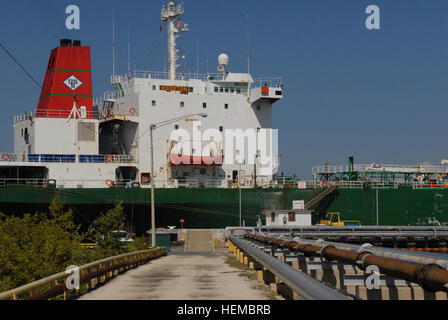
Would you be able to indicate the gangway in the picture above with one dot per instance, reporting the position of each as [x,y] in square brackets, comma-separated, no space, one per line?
[318,198]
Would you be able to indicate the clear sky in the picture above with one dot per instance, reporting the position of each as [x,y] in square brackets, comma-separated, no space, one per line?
[379,95]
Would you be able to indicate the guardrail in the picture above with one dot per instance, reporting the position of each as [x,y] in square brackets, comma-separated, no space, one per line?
[66,158]
[374,167]
[90,274]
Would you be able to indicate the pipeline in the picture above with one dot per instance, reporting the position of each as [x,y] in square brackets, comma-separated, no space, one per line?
[432,277]
[303,284]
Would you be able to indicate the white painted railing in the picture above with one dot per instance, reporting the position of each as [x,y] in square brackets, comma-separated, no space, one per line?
[380,168]
[66,158]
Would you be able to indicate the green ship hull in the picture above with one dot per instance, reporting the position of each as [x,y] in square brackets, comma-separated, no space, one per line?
[218,208]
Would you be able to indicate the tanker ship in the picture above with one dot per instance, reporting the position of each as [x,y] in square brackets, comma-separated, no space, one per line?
[176,130]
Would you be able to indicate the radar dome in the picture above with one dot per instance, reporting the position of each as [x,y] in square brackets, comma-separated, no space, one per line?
[223,59]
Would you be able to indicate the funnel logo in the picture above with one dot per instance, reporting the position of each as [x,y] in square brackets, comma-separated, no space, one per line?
[72,82]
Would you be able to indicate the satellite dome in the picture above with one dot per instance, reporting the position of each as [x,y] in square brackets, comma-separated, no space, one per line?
[223,59]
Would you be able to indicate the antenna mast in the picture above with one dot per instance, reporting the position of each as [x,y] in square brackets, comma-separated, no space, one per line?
[170,14]
[113,41]
[129,48]
[248,55]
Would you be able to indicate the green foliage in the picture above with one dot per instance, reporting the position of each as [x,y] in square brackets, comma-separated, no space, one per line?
[140,243]
[102,229]
[41,244]
[36,246]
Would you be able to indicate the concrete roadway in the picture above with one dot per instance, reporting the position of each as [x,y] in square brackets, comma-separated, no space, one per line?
[181,276]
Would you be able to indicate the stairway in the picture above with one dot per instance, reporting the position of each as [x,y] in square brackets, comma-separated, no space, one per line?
[318,198]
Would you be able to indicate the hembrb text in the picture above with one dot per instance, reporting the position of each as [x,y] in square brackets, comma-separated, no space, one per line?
[230,309]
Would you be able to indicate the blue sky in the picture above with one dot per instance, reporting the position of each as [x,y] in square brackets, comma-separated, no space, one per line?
[378,95]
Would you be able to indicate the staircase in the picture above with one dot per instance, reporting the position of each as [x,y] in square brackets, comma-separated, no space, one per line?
[319,197]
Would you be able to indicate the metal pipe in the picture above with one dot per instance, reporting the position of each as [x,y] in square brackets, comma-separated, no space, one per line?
[431,276]
[304,285]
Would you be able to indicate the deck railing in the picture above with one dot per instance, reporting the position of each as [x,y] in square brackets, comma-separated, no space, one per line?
[66,158]
[380,168]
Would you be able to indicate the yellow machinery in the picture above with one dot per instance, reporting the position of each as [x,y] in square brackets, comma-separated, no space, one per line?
[334,219]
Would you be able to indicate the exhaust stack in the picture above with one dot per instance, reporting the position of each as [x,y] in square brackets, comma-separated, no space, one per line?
[68,80]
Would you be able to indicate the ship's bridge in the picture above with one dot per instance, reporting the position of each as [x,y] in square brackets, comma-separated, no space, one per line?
[239,84]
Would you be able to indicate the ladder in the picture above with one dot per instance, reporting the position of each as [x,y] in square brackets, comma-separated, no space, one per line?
[318,198]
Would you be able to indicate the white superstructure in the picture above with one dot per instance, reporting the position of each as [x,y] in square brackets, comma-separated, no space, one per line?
[112,148]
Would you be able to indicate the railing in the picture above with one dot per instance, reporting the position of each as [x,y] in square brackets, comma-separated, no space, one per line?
[90,275]
[160,75]
[380,168]
[183,76]
[51,113]
[269,82]
[430,185]
[66,158]
[63,183]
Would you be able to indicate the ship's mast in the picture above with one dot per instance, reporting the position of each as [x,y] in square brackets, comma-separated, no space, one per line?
[171,14]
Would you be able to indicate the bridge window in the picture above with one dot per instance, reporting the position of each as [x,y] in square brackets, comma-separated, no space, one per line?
[291,217]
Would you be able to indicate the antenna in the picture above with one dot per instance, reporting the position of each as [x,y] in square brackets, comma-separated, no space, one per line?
[197,58]
[129,48]
[248,54]
[113,41]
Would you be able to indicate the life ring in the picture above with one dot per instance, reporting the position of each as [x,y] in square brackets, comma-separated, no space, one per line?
[6,157]
[109,183]
[132,111]
[109,159]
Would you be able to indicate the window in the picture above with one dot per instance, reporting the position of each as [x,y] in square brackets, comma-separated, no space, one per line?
[221,129]
[153,103]
[176,127]
[190,89]
[216,89]
[153,87]
[203,171]
[204,105]
[238,91]
[272,216]
[258,107]
[182,104]
[227,90]
[226,106]
[221,89]
[291,217]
